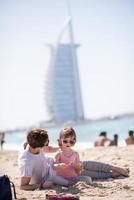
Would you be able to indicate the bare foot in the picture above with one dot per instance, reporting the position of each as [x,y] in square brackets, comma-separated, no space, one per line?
[120,171]
[115,174]
[124,172]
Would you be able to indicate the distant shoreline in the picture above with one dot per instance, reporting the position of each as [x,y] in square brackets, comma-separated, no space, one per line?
[46,124]
[78,146]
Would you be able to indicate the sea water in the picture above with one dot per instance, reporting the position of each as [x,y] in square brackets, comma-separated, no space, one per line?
[86,133]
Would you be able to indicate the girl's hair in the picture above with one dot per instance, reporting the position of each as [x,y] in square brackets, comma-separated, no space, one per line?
[37,138]
[65,133]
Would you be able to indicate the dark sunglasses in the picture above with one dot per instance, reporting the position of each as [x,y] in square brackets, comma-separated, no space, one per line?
[47,143]
[69,141]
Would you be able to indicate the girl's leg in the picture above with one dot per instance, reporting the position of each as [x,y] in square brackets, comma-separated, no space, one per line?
[58,180]
[86,179]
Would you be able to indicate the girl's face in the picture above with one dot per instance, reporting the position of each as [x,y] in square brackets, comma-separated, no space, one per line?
[67,142]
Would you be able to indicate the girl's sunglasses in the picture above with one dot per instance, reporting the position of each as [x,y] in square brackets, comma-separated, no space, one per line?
[69,141]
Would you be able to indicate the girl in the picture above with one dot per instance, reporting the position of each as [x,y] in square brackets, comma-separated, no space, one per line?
[67,162]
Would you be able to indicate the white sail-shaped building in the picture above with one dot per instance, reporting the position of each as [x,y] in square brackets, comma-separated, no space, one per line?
[62,89]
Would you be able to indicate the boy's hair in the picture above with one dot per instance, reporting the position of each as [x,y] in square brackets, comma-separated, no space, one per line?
[67,132]
[37,138]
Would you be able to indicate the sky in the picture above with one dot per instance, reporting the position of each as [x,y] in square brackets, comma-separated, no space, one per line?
[105,31]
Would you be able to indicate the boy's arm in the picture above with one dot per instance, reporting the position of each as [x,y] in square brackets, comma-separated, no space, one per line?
[50,149]
[24,184]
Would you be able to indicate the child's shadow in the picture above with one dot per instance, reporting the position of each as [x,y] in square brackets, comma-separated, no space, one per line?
[66,190]
[77,188]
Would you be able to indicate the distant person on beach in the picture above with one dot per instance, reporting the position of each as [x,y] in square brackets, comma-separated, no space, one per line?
[2,139]
[35,168]
[70,166]
[130,139]
[102,140]
[114,142]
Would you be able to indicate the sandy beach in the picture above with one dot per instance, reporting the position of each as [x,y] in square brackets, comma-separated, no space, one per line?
[116,189]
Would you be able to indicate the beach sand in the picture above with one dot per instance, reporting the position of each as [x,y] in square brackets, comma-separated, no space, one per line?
[116,189]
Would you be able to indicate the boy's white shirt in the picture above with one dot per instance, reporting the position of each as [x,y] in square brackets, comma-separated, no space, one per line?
[36,166]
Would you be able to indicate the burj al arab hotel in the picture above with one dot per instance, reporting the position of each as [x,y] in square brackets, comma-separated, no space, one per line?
[63,96]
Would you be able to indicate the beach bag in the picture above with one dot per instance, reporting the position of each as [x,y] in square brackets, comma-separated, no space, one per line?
[61,197]
[7,187]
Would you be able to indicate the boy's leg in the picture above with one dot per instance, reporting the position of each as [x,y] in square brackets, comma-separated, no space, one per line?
[97,175]
[96,166]
[117,171]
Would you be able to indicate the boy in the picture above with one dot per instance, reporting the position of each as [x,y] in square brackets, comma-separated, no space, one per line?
[35,168]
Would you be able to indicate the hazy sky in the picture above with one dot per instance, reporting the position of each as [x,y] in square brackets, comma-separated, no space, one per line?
[105,30]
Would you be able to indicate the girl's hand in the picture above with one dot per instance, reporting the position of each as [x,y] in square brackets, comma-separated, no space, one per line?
[78,166]
[60,166]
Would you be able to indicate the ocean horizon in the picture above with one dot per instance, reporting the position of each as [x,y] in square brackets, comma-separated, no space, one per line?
[86,133]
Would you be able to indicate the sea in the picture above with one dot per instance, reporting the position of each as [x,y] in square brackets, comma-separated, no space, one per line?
[86,133]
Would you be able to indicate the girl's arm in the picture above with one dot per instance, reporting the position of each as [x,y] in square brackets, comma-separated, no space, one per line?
[57,158]
[78,166]
[58,164]
[77,157]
